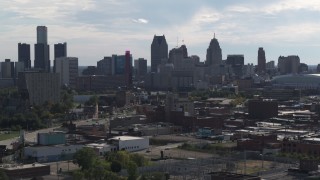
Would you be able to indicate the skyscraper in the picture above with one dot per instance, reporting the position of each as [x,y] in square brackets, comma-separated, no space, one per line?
[60,50]
[159,51]
[214,54]
[261,61]
[128,69]
[41,50]
[24,54]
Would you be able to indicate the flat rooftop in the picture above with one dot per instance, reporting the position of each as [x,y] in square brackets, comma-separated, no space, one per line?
[125,138]
[21,166]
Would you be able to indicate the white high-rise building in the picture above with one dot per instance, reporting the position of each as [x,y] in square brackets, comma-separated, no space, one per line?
[67,67]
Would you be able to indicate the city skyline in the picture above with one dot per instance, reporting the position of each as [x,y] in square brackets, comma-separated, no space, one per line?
[94,29]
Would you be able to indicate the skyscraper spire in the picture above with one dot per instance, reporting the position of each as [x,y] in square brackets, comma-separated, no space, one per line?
[214,35]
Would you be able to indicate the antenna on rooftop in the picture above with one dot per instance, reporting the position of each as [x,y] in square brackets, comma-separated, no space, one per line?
[214,35]
[182,41]
[177,41]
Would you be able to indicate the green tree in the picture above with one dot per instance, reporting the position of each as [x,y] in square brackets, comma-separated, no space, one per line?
[85,158]
[113,176]
[92,101]
[78,175]
[132,170]
[116,166]
[138,159]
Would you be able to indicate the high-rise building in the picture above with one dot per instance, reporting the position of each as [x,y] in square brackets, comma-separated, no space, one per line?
[60,50]
[24,54]
[140,67]
[236,62]
[128,69]
[42,35]
[7,69]
[261,61]
[41,50]
[120,62]
[67,67]
[214,54]
[159,51]
[106,66]
[289,65]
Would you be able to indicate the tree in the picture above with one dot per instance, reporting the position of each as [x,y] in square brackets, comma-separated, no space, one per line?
[113,176]
[138,159]
[78,175]
[3,175]
[85,158]
[132,170]
[116,166]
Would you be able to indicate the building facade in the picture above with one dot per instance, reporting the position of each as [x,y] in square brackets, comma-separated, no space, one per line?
[7,69]
[24,54]
[261,61]
[41,50]
[67,68]
[140,67]
[39,87]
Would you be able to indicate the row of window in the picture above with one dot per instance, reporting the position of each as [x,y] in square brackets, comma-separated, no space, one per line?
[132,147]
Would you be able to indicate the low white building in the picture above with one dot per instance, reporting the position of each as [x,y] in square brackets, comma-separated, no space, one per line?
[130,143]
[51,153]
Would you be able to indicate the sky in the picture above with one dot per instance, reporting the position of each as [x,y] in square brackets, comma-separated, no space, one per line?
[97,28]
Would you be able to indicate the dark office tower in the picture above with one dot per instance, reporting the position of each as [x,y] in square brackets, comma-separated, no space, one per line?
[159,51]
[261,61]
[128,69]
[41,50]
[24,54]
[60,50]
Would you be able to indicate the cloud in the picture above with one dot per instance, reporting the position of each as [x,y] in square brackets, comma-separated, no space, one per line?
[140,21]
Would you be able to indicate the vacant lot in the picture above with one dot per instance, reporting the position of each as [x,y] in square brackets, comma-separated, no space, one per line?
[8,134]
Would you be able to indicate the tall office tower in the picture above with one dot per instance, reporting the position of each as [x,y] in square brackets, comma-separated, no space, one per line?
[159,51]
[261,61]
[128,69]
[67,67]
[60,50]
[140,67]
[41,50]
[214,54]
[7,69]
[24,54]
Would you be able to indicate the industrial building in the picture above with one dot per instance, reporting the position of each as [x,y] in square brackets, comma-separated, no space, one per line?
[130,143]
[51,153]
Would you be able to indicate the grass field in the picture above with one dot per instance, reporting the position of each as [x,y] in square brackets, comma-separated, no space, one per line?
[8,135]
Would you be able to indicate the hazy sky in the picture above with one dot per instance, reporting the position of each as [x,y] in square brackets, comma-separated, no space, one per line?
[97,28]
